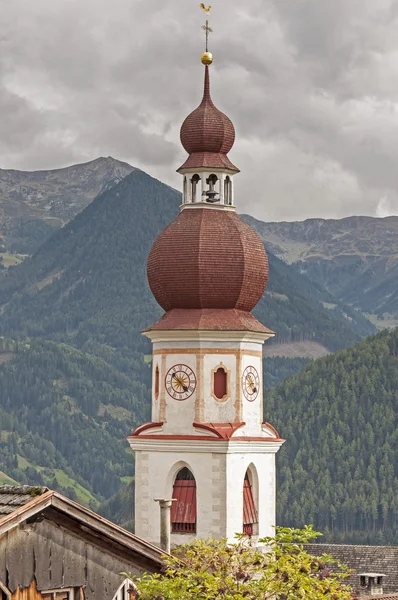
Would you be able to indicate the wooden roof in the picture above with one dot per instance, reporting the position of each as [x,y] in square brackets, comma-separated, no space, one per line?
[361,559]
[15,496]
[21,503]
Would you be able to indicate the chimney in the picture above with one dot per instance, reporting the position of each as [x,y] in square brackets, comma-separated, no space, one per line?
[371,585]
[165,524]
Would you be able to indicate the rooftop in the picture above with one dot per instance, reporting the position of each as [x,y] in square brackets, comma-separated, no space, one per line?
[365,559]
[15,496]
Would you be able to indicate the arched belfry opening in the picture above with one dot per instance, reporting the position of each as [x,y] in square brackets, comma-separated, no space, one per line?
[212,194]
[250,514]
[183,511]
[228,190]
[194,188]
[185,191]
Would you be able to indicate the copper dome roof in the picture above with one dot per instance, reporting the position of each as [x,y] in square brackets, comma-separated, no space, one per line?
[208,132]
[208,259]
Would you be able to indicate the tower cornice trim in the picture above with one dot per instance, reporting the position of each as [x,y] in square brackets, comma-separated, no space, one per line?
[204,351]
[205,335]
[198,444]
[207,206]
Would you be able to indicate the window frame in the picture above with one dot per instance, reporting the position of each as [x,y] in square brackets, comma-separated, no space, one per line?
[5,591]
[187,493]
[70,591]
[227,387]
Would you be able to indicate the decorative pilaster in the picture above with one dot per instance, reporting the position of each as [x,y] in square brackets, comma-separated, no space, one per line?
[200,400]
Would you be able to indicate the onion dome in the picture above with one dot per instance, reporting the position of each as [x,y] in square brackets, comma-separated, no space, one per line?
[207,134]
[208,259]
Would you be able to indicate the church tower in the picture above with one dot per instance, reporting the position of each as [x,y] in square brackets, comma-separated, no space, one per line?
[207,446]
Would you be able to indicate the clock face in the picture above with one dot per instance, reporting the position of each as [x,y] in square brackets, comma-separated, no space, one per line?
[250,383]
[180,382]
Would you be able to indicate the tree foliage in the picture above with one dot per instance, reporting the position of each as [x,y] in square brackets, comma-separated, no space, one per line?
[339,465]
[213,569]
[63,409]
[88,281]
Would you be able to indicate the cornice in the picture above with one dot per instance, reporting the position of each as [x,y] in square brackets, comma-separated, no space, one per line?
[191,445]
[177,335]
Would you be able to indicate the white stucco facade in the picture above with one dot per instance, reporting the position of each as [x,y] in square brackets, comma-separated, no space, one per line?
[219,469]
[198,181]
[219,441]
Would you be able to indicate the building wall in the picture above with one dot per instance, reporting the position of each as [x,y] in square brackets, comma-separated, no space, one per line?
[219,482]
[204,358]
[56,558]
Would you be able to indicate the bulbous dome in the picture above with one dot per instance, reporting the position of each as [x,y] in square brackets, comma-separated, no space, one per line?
[207,129]
[208,259]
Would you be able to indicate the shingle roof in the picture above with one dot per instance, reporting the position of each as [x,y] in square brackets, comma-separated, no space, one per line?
[382,597]
[15,496]
[208,259]
[362,559]
[24,502]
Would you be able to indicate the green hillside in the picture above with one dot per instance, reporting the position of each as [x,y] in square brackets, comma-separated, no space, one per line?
[88,281]
[70,395]
[339,466]
[63,417]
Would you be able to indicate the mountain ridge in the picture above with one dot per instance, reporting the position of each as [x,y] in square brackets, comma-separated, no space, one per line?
[101,256]
[355,259]
[34,203]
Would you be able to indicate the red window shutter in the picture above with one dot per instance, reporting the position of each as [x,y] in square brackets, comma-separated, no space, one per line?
[250,516]
[220,383]
[183,511]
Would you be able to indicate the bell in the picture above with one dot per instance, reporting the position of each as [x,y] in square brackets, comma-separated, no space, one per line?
[211,196]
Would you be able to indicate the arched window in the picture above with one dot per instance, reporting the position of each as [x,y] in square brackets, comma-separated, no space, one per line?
[220,383]
[194,184]
[157,382]
[227,190]
[185,189]
[250,515]
[183,511]
[212,180]
[211,194]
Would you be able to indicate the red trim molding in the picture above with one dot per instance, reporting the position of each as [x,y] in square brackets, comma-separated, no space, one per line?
[224,431]
[272,429]
[137,432]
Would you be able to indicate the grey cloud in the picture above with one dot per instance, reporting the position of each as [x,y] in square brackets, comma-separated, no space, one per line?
[311,87]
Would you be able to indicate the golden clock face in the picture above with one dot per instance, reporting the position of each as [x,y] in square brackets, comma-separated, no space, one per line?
[250,383]
[180,382]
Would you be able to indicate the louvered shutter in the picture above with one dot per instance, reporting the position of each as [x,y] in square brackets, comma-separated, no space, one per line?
[250,516]
[183,511]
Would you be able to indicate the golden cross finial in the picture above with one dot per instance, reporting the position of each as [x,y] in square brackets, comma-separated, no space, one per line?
[206,27]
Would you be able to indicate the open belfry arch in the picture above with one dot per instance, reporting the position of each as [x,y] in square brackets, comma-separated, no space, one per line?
[207,446]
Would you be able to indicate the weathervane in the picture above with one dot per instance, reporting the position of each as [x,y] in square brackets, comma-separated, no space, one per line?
[207,57]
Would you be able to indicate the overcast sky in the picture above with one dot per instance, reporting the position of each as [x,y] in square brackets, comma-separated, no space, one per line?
[311,86]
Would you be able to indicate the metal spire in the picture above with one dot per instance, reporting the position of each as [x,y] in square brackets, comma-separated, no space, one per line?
[207,58]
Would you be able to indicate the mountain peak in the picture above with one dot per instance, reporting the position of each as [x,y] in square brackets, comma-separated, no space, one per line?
[54,196]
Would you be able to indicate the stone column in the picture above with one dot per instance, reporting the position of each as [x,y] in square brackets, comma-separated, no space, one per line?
[165,524]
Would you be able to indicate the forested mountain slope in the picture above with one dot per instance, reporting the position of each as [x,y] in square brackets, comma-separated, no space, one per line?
[86,290]
[88,281]
[355,259]
[339,466]
[64,415]
[33,203]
